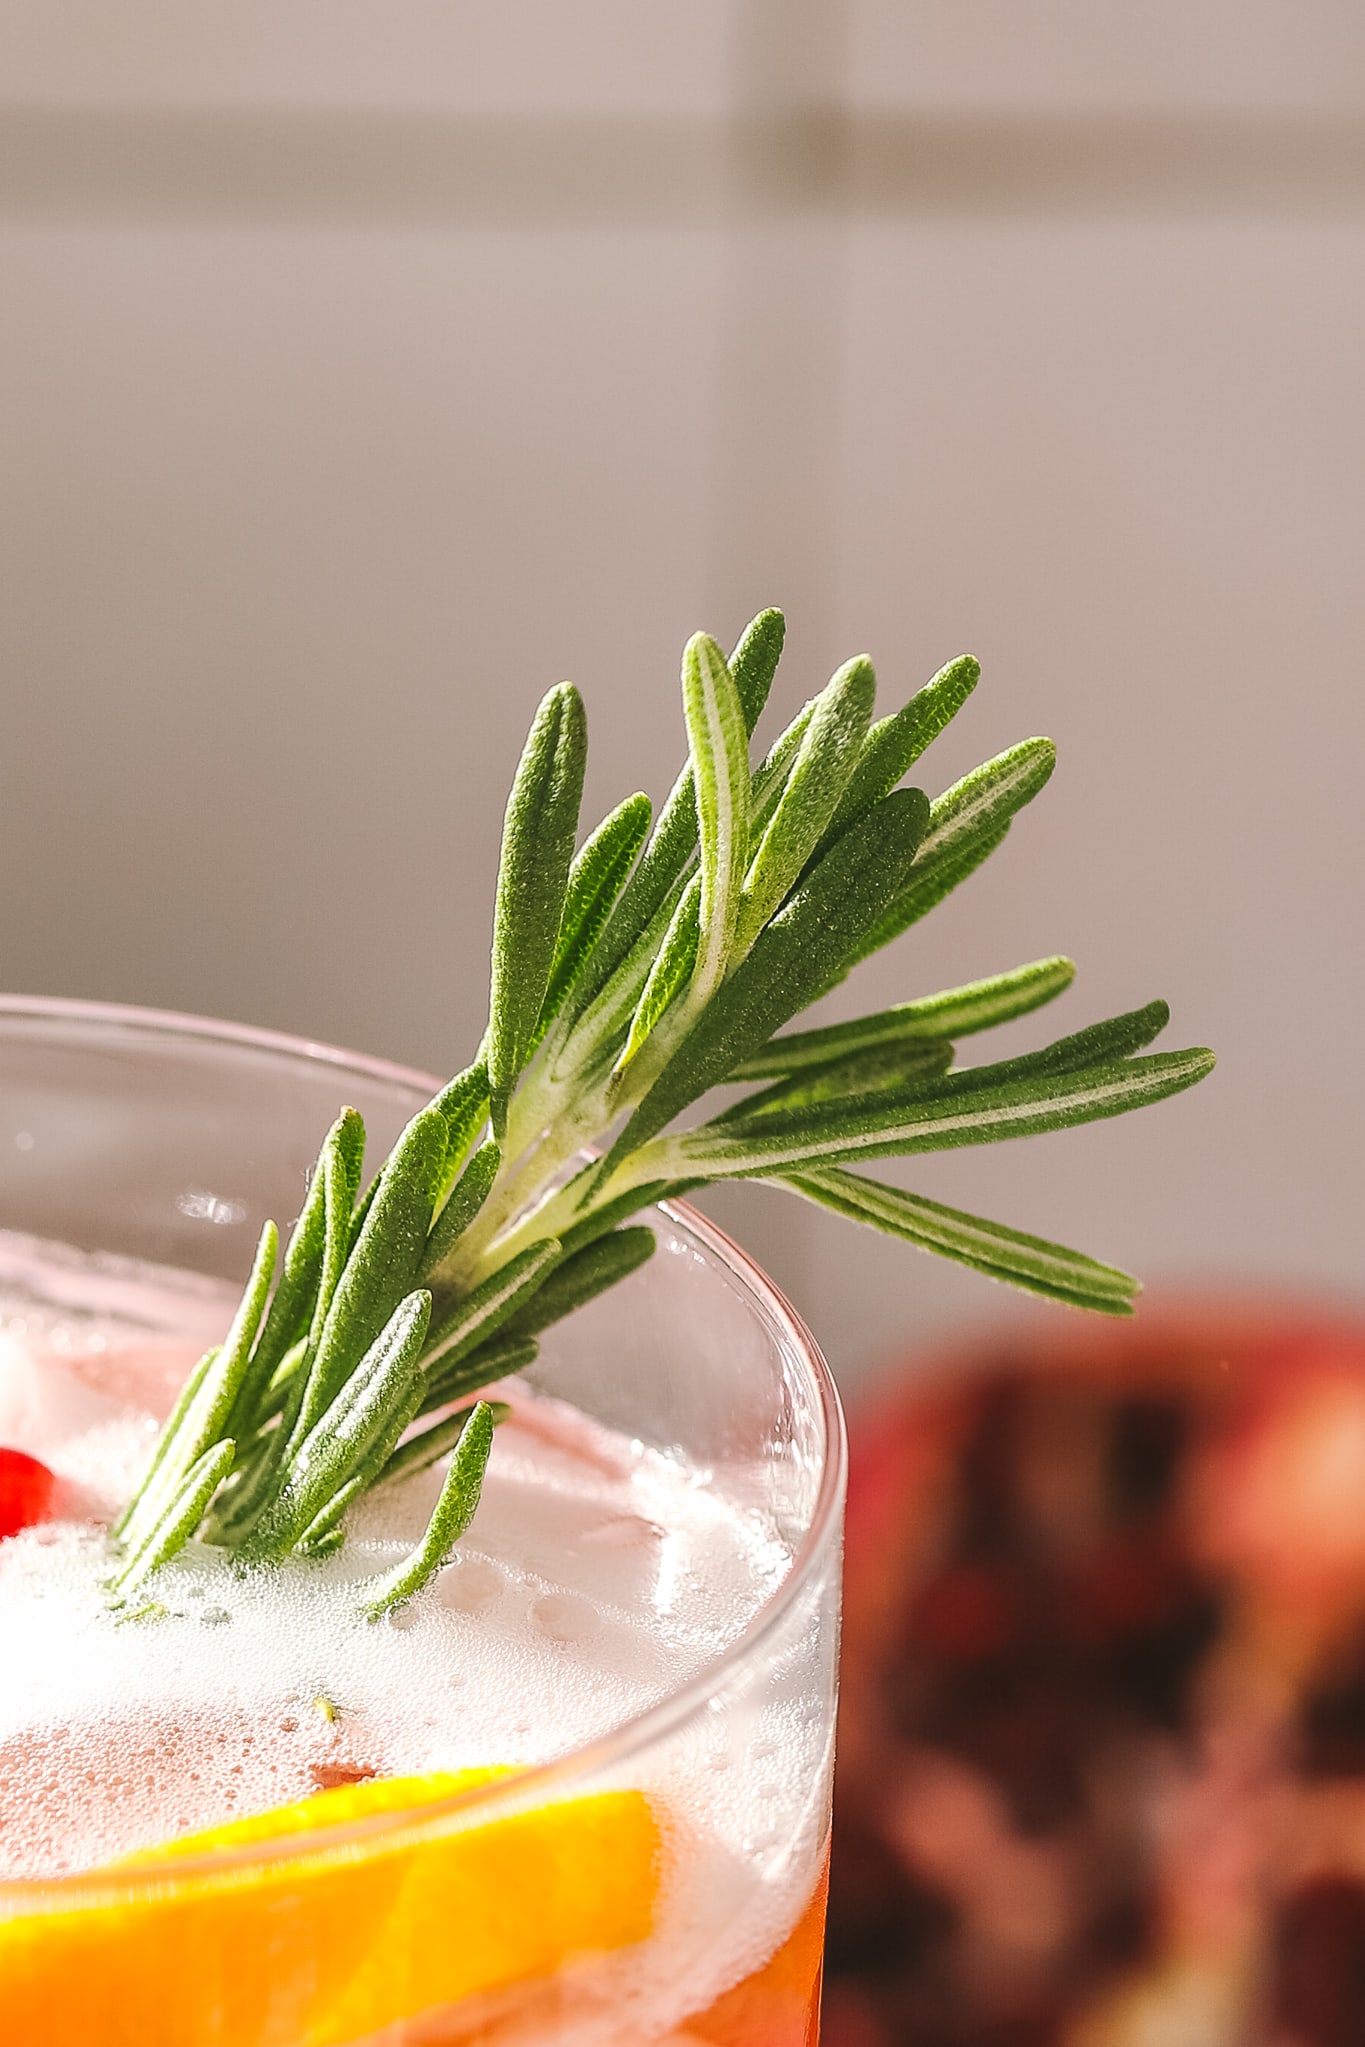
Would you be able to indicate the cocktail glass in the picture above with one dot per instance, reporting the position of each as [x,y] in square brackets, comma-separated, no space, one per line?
[664,1883]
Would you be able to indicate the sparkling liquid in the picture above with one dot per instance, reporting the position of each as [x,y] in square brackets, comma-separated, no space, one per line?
[600,1576]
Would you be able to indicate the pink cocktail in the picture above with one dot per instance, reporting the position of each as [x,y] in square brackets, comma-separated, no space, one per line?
[578,1791]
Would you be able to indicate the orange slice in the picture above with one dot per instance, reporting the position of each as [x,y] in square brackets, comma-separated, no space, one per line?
[339,1940]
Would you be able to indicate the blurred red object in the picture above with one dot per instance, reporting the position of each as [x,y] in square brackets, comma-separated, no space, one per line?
[1102,1763]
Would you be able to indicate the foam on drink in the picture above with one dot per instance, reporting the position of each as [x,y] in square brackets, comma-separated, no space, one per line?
[598,1577]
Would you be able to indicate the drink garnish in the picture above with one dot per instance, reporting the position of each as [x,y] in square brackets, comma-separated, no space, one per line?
[629,979]
[187,1940]
[27,1488]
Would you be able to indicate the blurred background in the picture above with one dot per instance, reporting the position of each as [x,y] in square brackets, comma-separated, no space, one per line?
[365,371]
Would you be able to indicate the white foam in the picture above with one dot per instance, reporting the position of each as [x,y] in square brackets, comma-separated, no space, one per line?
[597,1578]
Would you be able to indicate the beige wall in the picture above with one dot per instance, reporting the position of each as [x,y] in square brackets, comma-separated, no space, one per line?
[364,370]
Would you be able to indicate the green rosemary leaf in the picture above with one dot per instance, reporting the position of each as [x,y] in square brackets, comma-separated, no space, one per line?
[954,1013]
[819,776]
[453,1513]
[465,1200]
[894,744]
[473,1319]
[316,1538]
[464,1104]
[183,1512]
[668,858]
[382,1267]
[338,1240]
[672,970]
[648,898]
[772,774]
[719,743]
[537,852]
[966,824]
[389,1435]
[934,879]
[859,1072]
[403,1412]
[895,1068]
[990,793]
[204,1420]
[251,1493]
[384,1365]
[599,1030]
[249,1489]
[753,664]
[218,1394]
[499,1358]
[988,1247]
[387,1382]
[169,1434]
[597,877]
[1116,1038]
[421,1450]
[324,1533]
[577,1280]
[361,1214]
[790,961]
[283,1379]
[354,1299]
[347,1134]
[313,1264]
[869,1128]
[290,1310]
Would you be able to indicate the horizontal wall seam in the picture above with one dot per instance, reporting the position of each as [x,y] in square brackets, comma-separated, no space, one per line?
[354,167]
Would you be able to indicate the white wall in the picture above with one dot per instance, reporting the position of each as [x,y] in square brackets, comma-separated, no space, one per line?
[355,387]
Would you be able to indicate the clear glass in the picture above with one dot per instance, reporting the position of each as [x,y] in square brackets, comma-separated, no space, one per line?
[169,1140]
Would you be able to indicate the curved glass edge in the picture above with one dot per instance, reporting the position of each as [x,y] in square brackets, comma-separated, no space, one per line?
[173,1023]
[97,1888]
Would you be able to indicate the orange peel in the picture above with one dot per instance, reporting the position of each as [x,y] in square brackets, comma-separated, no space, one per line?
[338,1940]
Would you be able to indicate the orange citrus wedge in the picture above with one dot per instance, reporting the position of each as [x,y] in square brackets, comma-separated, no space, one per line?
[338,1940]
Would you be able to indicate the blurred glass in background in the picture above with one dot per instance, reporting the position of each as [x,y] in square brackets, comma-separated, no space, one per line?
[363,372]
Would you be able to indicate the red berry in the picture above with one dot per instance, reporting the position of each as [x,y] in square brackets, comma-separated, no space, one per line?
[26,1489]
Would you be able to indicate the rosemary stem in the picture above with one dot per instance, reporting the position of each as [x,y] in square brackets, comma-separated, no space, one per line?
[560,1209]
[514,1207]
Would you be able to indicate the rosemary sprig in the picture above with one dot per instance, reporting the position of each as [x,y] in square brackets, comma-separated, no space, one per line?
[629,979]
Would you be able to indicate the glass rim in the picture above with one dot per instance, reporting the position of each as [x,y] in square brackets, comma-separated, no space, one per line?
[110,1885]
